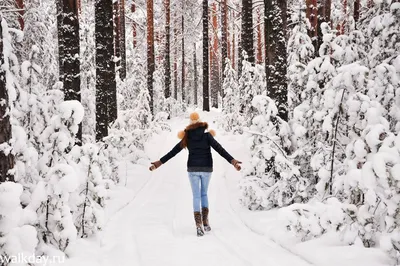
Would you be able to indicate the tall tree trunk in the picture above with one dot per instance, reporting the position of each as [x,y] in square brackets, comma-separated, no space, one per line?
[259,36]
[167,62]
[195,74]
[106,104]
[323,16]
[59,5]
[134,33]
[206,100]
[247,41]
[312,16]
[183,54]
[150,51]
[6,158]
[224,36]
[214,58]
[233,47]
[20,7]
[344,23]
[275,53]
[122,43]
[70,36]
[357,7]
[117,36]
[176,63]
[269,45]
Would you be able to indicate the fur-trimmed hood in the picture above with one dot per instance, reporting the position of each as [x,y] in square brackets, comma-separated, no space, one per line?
[181,134]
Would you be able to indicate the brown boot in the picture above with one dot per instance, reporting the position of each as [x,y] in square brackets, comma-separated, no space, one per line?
[204,212]
[197,219]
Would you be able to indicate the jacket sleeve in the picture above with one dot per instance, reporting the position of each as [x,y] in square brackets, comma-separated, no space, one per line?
[175,150]
[218,148]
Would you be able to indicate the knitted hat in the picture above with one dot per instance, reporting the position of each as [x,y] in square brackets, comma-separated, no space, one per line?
[194,118]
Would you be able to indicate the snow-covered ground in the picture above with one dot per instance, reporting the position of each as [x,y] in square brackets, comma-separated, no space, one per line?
[150,220]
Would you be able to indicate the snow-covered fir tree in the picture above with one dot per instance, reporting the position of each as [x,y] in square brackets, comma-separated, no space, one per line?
[61,179]
[272,179]
[231,118]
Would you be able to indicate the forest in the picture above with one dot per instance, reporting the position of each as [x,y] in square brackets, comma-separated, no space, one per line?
[310,89]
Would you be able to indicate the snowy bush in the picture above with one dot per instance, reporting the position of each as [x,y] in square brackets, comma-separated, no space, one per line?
[231,120]
[61,179]
[272,180]
[92,193]
[17,234]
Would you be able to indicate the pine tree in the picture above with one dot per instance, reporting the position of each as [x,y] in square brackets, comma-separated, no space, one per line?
[167,60]
[300,53]
[275,53]
[150,51]
[206,100]
[105,69]
[70,46]
[6,157]
[247,39]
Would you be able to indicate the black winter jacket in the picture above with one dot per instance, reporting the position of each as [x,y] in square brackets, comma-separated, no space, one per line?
[199,144]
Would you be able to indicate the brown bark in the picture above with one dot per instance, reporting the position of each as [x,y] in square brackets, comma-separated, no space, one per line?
[247,38]
[357,7]
[117,35]
[6,158]
[106,105]
[323,16]
[228,41]
[20,7]
[259,42]
[122,42]
[195,74]
[134,32]
[275,53]
[167,62]
[71,48]
[183,54]
[150,51]
[312,16]
[343,26]
[214,58]
[225,39]
[233,49]
[206,100]
[176,64]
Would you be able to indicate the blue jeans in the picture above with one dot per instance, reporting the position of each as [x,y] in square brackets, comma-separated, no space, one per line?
[199,182]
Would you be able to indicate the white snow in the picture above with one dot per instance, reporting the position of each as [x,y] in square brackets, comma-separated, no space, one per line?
[149,221]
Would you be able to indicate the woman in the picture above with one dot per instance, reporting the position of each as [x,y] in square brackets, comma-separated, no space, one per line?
[199,165]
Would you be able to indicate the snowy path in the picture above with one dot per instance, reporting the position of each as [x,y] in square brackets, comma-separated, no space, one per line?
[157,227]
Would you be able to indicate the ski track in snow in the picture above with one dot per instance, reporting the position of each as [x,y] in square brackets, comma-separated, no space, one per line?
[156,227]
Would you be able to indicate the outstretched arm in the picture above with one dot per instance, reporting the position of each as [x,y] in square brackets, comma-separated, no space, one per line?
[218,148]
[175,150]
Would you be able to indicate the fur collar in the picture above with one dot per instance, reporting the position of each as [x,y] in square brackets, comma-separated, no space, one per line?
[181,134]
[196,125]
